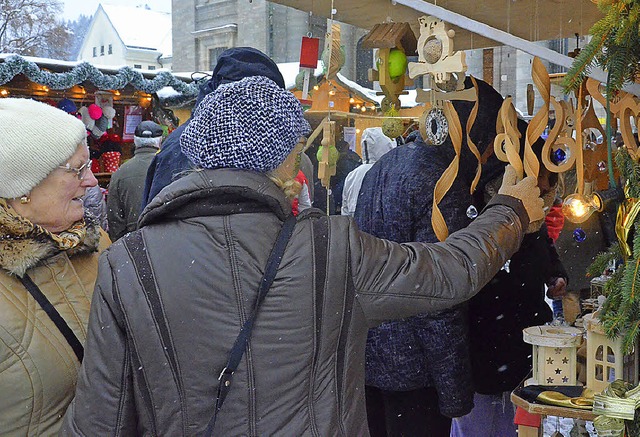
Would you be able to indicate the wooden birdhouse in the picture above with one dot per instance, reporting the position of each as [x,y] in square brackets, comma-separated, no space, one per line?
[606,361]
[554,354]
[394,41]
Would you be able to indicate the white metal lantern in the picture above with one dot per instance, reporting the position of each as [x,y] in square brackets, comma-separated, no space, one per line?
[554,354]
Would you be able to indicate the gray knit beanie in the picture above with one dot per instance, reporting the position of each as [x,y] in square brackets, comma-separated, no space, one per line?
[35,138]
[250,124]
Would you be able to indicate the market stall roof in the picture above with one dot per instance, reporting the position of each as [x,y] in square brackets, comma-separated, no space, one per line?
[532,20]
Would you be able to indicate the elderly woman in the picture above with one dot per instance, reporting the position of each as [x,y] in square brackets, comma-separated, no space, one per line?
[48,260]
[163,349]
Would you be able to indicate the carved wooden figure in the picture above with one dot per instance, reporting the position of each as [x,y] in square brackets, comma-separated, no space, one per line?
[436,55]
[325,167]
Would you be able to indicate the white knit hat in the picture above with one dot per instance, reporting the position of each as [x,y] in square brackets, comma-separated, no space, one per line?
[35,138]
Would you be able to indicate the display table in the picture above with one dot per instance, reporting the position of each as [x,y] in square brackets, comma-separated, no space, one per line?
[546,410]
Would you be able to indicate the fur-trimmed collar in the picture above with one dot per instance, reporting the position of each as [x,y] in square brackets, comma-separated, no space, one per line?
[19,254]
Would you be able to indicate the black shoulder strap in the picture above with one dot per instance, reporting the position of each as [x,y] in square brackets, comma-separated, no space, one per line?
[54,315]
[237,351]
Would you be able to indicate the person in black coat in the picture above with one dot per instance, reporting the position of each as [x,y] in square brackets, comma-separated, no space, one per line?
[511,301]
[418,371]
[347,162]
[233,64]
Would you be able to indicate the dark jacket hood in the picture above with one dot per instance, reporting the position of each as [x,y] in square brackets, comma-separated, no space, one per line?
[483,133]
[237,63]
[218,192]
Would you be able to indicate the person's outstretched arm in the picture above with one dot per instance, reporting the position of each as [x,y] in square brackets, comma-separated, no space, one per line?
[395,281]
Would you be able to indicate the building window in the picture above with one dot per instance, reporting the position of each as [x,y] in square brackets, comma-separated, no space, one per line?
[152,67]
[95,52]
[137,66]
[213,56]
[101,50]
[110,49]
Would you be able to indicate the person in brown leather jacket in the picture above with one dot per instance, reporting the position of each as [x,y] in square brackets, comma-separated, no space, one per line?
[172,296]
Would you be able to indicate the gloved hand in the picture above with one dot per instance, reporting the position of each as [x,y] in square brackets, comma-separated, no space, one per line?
[528,193]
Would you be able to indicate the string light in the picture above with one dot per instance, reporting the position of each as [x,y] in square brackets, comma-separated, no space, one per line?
[352,100]
[4,92]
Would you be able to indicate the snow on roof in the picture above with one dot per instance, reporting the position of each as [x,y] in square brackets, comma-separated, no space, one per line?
[290,70]
[406,101]
[141,28]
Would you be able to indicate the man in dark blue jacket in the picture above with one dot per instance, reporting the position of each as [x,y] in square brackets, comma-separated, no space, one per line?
[418,371]
[233,64]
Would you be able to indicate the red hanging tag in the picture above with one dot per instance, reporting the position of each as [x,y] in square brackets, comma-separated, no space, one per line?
[309,52]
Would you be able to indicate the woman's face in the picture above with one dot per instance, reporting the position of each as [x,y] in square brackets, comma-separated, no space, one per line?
[56,202]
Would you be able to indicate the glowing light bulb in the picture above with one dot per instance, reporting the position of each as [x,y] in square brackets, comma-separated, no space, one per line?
[4,93]
[578,208]
[316,87]
[363,109]
[352,100]
[332,92]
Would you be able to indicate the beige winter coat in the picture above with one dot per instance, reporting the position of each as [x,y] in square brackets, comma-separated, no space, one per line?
[38,368]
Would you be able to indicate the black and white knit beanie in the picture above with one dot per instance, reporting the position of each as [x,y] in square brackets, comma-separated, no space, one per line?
[251,124]
[35,138]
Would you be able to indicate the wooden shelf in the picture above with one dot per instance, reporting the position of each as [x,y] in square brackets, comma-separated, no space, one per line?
[551,410]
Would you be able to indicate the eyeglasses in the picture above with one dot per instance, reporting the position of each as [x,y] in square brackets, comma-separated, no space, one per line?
[80,172]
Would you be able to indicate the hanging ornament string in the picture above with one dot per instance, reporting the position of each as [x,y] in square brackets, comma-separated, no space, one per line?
[506,145]
[579,141]
[539,122]
[330,36]
[449,175]
[474,149]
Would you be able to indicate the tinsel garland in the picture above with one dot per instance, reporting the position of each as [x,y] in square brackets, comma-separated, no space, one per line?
[14,65]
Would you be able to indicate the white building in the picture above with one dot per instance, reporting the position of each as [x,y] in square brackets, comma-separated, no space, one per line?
[133,36]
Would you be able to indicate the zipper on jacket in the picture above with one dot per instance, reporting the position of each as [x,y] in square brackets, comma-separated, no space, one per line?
[347,313]
[242,315]
[320,245]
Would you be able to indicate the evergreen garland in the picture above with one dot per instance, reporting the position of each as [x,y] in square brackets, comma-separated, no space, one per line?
[620,313]
[614,46]
[14,65]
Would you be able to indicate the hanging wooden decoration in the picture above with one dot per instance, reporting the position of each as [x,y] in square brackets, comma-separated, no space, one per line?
[333,56]
[327,160]
[506,144]
[394,42]
[445,70]
[437,57]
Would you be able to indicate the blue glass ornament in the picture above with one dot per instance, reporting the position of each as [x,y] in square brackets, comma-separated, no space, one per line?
[579,235]
[472,212]
[559,156]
